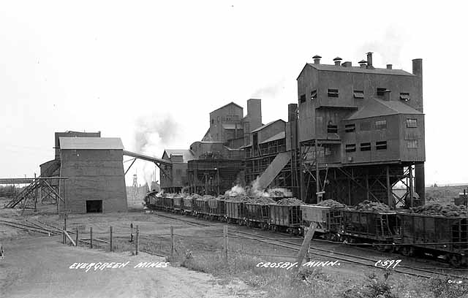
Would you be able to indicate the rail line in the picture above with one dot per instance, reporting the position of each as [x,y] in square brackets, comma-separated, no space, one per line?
[355,259]
[28,227]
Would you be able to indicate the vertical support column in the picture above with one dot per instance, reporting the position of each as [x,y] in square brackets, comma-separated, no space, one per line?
[390,200]
[317,172]
[420,182]
[411,185]
[367,184]
[301,175]
[349,190]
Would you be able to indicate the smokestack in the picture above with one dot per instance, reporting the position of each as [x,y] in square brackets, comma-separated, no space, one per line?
[419,175]
[337,61]
[417,67]
[389,66]
[347,64]
[369,60]
[292,115]
[254,113]
[316,59]
[362,63]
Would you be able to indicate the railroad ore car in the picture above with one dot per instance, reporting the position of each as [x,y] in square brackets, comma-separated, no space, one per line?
[286,218]
[438,235]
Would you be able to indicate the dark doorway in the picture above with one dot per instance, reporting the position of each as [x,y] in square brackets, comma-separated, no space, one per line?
[94,206]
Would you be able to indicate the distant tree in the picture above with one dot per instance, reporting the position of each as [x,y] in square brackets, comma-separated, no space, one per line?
[7,191]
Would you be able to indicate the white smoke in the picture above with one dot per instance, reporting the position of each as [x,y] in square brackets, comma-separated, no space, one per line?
[387,49]
[270,91]
[153,133]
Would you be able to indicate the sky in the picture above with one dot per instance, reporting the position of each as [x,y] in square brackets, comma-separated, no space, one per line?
[150,72]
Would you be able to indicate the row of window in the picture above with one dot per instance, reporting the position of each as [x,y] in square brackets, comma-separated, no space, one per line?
[366,126]
[381,145]
[358,94]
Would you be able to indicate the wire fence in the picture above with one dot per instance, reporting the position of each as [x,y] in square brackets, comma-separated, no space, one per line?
[171,244]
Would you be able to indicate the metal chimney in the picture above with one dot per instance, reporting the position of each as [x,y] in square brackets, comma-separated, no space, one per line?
[337,61]
[362,63]
[316,59]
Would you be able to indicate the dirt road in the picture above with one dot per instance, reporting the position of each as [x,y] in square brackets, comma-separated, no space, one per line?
[40,267]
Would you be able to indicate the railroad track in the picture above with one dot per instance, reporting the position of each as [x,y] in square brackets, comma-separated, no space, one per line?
[354,259]
[31,227]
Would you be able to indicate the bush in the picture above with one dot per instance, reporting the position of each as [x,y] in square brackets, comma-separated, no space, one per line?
[445,287]
[373,287]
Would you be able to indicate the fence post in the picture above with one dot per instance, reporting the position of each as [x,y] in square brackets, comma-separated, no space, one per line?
[91,237]
[305,245]
[64,237]
[226,242]
[137,239]
[110,241]
[131,232]
[172,242]
[76,242]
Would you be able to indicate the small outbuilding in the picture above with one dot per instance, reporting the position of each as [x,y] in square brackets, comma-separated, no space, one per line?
[94,170]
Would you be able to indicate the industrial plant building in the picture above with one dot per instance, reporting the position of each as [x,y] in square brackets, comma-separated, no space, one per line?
[354,133]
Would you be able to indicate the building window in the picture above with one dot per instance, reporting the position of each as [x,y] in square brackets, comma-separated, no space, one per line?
[382,145]
[212,121]
[358,94]
[302,99]
[350,147]
[404,96]
[365,146]
[364,126]
[332,128]
[313,94]
[350,127]
[381,124]
[412,144]
[332,92]
[411,123]
[381,91]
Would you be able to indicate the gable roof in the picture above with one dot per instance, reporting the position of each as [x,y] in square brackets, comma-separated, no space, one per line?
[187,154]
[90,143]
[278,136]
[226,105]
[356,69]
[377,107]
[266,125]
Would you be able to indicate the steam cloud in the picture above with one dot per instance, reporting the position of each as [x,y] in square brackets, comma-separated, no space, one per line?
[388,49]
[153,133]
[270,91]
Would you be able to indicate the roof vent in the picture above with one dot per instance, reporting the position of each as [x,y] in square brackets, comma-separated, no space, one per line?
[389,66]
[347,64]
[337,61]
[362,63]
[316,59]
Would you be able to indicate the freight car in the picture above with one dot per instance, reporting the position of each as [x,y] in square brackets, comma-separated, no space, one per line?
[400,231]
[437,235]
[258,215]
[286,218]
